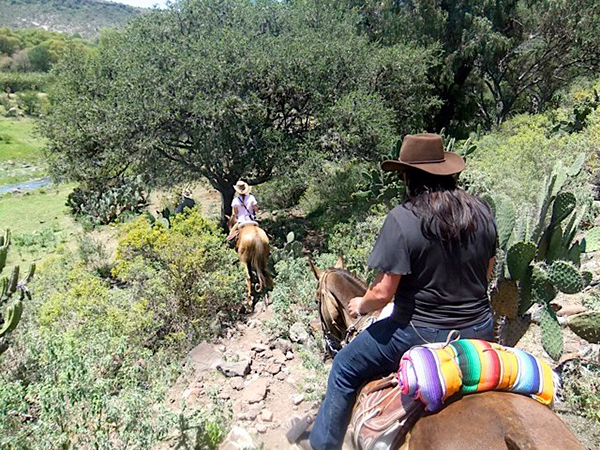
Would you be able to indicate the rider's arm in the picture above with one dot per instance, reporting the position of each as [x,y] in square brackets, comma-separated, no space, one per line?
[378,295]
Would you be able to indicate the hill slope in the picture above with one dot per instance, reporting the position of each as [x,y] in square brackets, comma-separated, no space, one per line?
[85,17]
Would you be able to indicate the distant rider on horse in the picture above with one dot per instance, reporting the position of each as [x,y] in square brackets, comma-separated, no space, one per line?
[244,207]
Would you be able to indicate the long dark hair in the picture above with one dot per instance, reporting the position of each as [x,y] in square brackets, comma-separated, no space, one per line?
[447,212]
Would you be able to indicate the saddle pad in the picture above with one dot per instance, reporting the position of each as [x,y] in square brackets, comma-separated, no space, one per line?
[434,372]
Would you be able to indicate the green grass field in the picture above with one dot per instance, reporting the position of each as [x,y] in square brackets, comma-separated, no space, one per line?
[21,156]
[39,222]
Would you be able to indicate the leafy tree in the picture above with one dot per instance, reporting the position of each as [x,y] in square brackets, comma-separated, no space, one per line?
[232,89]
[497,56]
[40,58]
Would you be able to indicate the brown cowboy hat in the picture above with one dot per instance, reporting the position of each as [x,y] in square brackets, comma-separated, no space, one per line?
[426,152]
[242,188]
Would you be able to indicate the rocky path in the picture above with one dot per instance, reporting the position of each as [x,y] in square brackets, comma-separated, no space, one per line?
[258,379]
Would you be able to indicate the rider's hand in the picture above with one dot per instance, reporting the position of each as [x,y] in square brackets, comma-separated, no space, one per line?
[354,307]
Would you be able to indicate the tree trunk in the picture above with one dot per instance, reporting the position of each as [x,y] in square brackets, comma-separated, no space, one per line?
[227,193]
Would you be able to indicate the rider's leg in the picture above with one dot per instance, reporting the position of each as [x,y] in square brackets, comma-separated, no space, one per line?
[374,352]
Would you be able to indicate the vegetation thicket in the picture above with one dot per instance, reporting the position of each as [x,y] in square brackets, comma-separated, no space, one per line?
[496,57]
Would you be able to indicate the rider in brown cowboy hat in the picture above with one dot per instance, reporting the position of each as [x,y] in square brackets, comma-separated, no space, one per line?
[244,208]
[433,256]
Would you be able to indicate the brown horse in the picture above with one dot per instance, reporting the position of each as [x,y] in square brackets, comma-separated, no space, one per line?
[483,421]
[253,250]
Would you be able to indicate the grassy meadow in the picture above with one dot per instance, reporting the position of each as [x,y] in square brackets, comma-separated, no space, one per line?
[38,219]
[20,151]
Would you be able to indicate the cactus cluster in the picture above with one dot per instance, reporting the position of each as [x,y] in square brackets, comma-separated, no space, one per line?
[542,263]
[380,186]
[291,249]
[11,311]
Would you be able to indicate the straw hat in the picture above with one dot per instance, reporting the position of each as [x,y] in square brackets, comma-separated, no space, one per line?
[426,152]
[186,193]
[242,188]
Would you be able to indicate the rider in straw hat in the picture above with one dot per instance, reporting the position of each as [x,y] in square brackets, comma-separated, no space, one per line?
[244,207]
[433,256]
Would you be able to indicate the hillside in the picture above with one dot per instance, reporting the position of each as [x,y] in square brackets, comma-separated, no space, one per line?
[85,17]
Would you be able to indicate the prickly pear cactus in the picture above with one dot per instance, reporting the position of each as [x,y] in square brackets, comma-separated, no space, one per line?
[543,262]
[565,277]
[505,299]
[586,325]
[552,337]
[518,258]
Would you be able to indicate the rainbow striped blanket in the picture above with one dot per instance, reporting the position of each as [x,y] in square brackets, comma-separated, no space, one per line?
[434,372]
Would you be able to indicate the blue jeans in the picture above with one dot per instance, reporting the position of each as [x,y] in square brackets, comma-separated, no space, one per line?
[374,352]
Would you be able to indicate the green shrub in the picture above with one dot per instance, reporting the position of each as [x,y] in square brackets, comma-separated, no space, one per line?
[18,82]
[581,387]
[293,295]
[513,160]
[80,374]
[187,273]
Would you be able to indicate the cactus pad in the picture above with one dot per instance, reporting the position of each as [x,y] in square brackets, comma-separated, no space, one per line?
[505,220]
[542,289]
[565,277]
[505,299]
[586,325]
[552,337]
[586,277]
[518,258]
[592,240]
[564,204]
[510,331]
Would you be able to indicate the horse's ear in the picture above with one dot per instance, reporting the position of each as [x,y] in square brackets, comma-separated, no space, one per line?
[318,272]
[339,264]
[227,217]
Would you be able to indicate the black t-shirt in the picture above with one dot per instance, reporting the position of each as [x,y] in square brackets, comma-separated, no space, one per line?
[442,285]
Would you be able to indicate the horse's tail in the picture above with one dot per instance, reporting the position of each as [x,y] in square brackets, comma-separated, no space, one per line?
[259,262]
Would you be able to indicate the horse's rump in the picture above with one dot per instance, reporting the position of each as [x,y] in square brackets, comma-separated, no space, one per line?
[254,249]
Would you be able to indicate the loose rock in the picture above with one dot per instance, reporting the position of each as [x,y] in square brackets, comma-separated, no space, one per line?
[237,383]
[298,399]
[278,356]
[261,428]
[289,355]
[256,391]
[274,369]
[266,415]
[282,344]
[235,369]
[238,439]
[298,333]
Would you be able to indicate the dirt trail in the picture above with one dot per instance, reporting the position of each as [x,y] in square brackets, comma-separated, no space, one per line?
[259,379]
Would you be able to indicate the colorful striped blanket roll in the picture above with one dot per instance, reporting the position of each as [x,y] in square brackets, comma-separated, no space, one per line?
[432,373]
